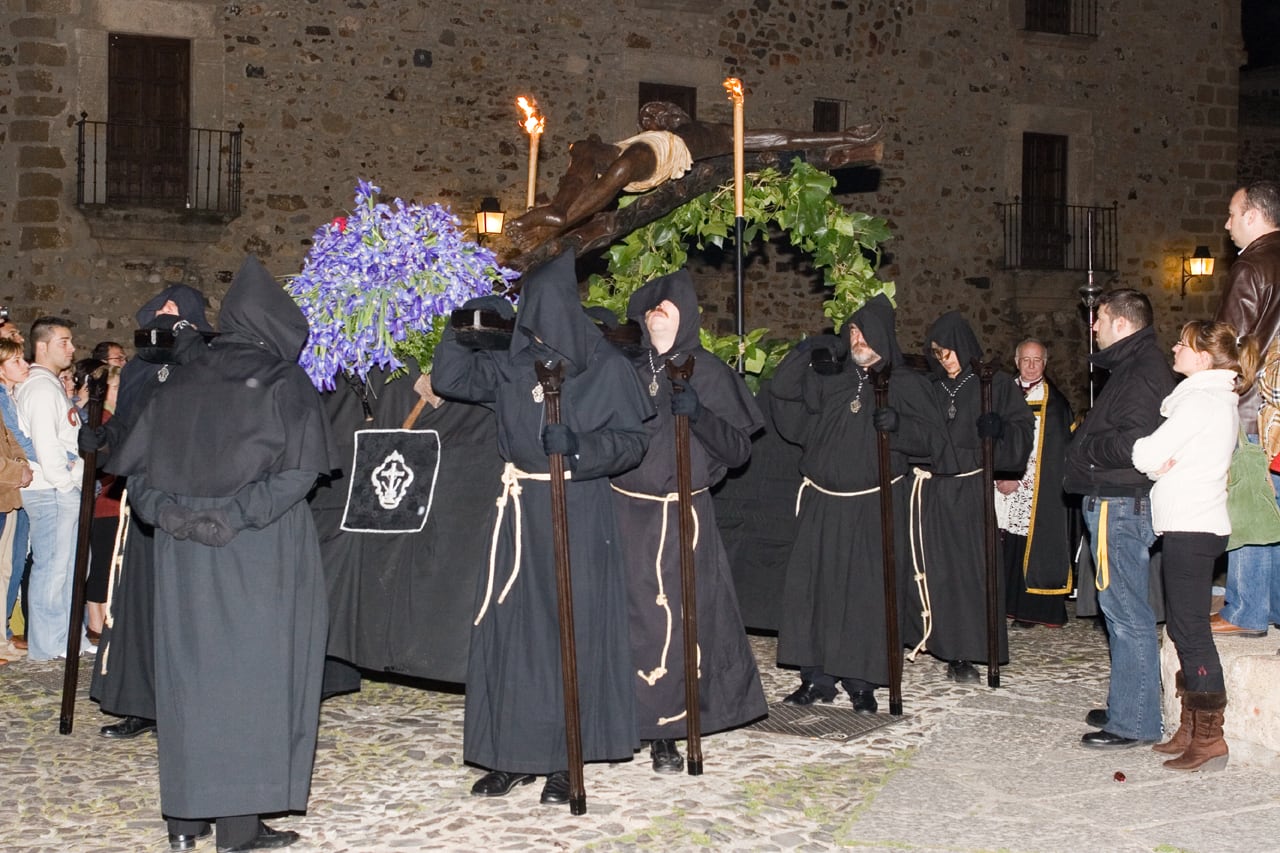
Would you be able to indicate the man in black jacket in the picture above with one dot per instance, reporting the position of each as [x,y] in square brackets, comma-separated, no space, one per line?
[1117,512]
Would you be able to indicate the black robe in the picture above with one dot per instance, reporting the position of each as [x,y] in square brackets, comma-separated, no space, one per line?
[1039,565]
[953,550]
[514,702]
[402,602]
[124,669]
[240,629]
[729,690]
[833,610]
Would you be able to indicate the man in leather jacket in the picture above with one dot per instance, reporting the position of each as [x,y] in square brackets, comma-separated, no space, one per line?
[1117,512]
[1252,305]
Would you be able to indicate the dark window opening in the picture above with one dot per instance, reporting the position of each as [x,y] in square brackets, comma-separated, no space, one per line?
[828,115]
[148,109]
[1066,17]
[1044,199]
[684,97]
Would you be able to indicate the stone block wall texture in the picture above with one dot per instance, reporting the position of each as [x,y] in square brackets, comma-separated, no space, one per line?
[418,97]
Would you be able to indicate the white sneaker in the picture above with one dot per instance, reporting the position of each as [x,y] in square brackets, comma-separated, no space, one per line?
[11,651]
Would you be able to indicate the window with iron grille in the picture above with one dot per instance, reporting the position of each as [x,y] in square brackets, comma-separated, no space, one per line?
[684,97]
[828,115]
[1066,17]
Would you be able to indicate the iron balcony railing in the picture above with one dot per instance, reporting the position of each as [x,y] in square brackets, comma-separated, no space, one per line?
[1067,17]
[159,166]
[1053,236]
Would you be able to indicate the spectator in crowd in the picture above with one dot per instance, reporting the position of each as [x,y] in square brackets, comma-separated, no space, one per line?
[1032,511]
[52,500]
[1189,456]
[15,536]
[1252,305]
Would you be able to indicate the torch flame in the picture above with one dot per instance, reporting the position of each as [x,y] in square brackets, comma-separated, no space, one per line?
[533,123]
[733,87]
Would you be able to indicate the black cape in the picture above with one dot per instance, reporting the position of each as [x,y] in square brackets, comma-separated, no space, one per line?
[953,552]
[514,703]
[833,602]
[403,602]
[240,629]
[123,680]
[730,693]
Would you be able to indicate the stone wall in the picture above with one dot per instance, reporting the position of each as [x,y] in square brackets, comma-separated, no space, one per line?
[418,97]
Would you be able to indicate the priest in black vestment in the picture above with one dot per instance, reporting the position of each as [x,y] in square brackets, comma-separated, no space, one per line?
[515,722]
[952,554]
[220,462]
[833,616]
[722,417]
[1032,511]
[124,669]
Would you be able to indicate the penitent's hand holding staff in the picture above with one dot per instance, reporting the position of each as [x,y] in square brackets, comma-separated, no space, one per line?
[680,374]
[71,673]
[550,379]
[892,641]
[985,371]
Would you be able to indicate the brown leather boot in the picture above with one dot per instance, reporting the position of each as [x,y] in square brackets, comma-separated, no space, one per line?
[1208,749]
[1181,739]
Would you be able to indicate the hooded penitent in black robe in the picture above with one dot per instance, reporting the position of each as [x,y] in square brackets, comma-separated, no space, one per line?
[1038,562]
[124,670]
[756,517]
[645,499]
[514,704]
[833,614]
[238,433]
[402,602]
[952,553]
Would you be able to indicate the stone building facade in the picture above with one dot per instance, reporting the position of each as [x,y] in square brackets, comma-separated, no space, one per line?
[418,97]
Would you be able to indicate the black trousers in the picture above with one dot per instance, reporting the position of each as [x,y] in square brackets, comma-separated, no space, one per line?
[233,831]
[816,675]
[1188,589]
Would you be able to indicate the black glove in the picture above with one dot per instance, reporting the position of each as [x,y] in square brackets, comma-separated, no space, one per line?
[990,425]
[211,527]
[90,440]
[175,520]
[684,400]
[886,419]
[558,438]
[502,307]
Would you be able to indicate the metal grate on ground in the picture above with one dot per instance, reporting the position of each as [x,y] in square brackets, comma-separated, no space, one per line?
[825,722]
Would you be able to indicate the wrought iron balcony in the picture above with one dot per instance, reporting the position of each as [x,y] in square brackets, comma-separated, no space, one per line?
[166,167]
[1059,236]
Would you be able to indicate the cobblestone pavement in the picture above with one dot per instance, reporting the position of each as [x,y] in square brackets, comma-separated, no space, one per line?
[969,769]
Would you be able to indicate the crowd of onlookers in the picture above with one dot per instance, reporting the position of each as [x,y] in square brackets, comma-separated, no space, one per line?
[44,402]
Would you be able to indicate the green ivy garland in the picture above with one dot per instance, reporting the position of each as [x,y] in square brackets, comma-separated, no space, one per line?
[844,244]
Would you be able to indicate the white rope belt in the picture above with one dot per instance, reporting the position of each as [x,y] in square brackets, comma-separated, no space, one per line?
[806,483]
[511,488]
[915,526]
[117,565]
[655,675]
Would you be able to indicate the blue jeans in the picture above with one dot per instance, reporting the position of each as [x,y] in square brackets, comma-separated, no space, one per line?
[1133,698]
[55,517]
[21,544]
[1253,584]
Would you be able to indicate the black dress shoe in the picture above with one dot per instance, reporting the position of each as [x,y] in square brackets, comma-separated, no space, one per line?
[1022,623]
[1097,718]
[556,791]
[666,757]
[128,727]
[266,839]
[808,693]
[178,842]
[1106,740]
[962,672]
[498,783]
[864,702]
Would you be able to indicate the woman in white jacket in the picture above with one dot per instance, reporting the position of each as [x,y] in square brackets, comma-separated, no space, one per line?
[1188,457]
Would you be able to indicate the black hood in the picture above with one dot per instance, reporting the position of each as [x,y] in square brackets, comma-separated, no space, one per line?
[551,311]
[190,304]
[257,310]
[876,321]
[677,287]
[951,331]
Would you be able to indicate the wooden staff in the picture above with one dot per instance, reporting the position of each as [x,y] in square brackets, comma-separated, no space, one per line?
[71,672]
[550,379]
[893,641]
[985,371]
[688,580]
